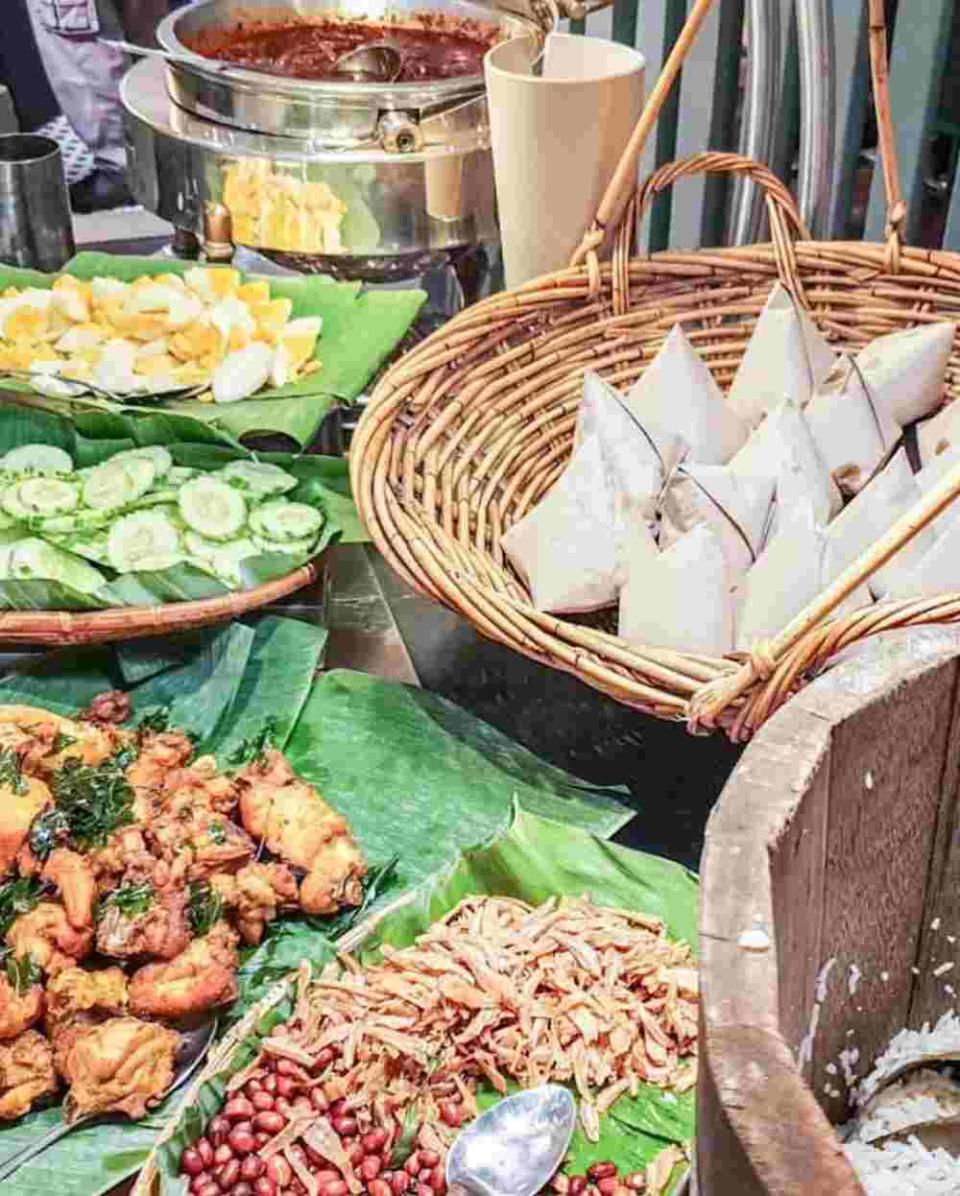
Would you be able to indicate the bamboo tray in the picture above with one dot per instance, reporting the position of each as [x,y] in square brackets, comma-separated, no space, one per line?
[466,433]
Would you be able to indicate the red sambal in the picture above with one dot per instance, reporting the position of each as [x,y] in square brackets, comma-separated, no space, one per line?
[445,49]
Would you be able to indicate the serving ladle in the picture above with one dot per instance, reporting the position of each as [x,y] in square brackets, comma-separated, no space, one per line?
[376,62]
[515,1147]
[194,1043]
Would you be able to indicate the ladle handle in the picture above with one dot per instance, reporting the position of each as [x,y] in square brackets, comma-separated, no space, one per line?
[13,1162]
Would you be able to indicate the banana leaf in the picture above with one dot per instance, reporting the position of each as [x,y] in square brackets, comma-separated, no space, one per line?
[231,688]
[530,860]
[360,331]
[323,482]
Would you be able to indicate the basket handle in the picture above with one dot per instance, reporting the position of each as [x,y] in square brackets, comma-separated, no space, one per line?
[886,140]
[786,223]
[621,186]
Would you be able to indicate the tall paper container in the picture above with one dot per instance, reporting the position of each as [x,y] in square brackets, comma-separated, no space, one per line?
[556,141]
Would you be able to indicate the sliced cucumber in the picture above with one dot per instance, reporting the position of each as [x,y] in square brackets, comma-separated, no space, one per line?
[179,474]
[79,523]
[140,540]
[228,559]
[212,508]
[153,498]
[93,546]
[200,547]
[44,458]
[259,478]
[114,484]
[282,520]
[46,496]
[156,454]
[34,558]
[303,547]
[141,469]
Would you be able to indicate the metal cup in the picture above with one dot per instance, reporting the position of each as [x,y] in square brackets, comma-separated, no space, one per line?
[35,224]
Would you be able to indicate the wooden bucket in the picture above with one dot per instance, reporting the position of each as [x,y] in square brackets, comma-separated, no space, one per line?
[836,836]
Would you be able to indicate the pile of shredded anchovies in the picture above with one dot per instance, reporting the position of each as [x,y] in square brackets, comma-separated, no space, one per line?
[499,992]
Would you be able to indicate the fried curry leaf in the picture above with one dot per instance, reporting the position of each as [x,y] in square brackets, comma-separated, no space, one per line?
[130,900]
[205,907]
[254,746]
[11,773]
[18,897]
[156,718]
[217,833]
[62,741]
[48,831]
[93,800]
[22,972]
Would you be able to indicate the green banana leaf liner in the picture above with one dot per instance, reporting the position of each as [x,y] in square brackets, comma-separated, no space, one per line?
[361,329]
[418,778]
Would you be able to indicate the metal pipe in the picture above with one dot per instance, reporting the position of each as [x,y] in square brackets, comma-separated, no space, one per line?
[759,105]
[817,112]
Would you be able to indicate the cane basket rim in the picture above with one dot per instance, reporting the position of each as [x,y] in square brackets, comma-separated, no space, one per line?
[60,628]
[439,468]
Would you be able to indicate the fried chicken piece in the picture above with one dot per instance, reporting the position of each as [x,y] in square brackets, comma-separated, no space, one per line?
[199,978]
[26,1074]
[44,741]
[255,895]
[123,855]
[205,842]
[73,876]
[75,991]
[46,934]
[19,1010]
[110,707]
[296,824]
[17,812]
[122,1065]
[160,753]
[162,931]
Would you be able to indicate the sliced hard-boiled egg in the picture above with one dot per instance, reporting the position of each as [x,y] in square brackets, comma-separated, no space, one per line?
[71,299]
[257,291]
[102,289]
[242,374]
[271,318]
[213,282]
[295,347]
[80,336]
[232,313]
[114,370]
[197,340]
[56,388]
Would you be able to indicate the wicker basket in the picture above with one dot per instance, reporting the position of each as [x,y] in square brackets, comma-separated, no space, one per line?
[467,432]
[60,627]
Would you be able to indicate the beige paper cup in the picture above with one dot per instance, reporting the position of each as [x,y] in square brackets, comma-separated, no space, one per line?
[556,141]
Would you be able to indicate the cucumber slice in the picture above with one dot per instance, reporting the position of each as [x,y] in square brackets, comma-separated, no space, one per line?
[46,496]
[282,520]
[200,547]
[212,508]
[179,474]
[34,558]
[259,478]
[44,458]
[156,454]
[303,547]
[153,498]
[140,540]
[228,558]
[79,523]
[92,546]
[116,483]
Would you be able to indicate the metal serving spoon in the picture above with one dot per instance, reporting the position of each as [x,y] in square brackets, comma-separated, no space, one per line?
[194,1043]
[376,62]
[514,1148]
[207,64]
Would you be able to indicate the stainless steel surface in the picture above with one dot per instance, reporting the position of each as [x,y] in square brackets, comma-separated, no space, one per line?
[514,1148]
[326,112]
[760,104]
[816,112]
[195,1041]
[378,62]
[35,223]
[360,212]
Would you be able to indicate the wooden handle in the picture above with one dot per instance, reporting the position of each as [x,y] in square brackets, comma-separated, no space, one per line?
[622,185]
[896,208]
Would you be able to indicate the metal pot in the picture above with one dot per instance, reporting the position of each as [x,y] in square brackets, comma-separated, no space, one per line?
[361,180]
[326,113]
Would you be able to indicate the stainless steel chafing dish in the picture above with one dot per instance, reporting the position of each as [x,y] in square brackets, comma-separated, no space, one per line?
[358,179]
